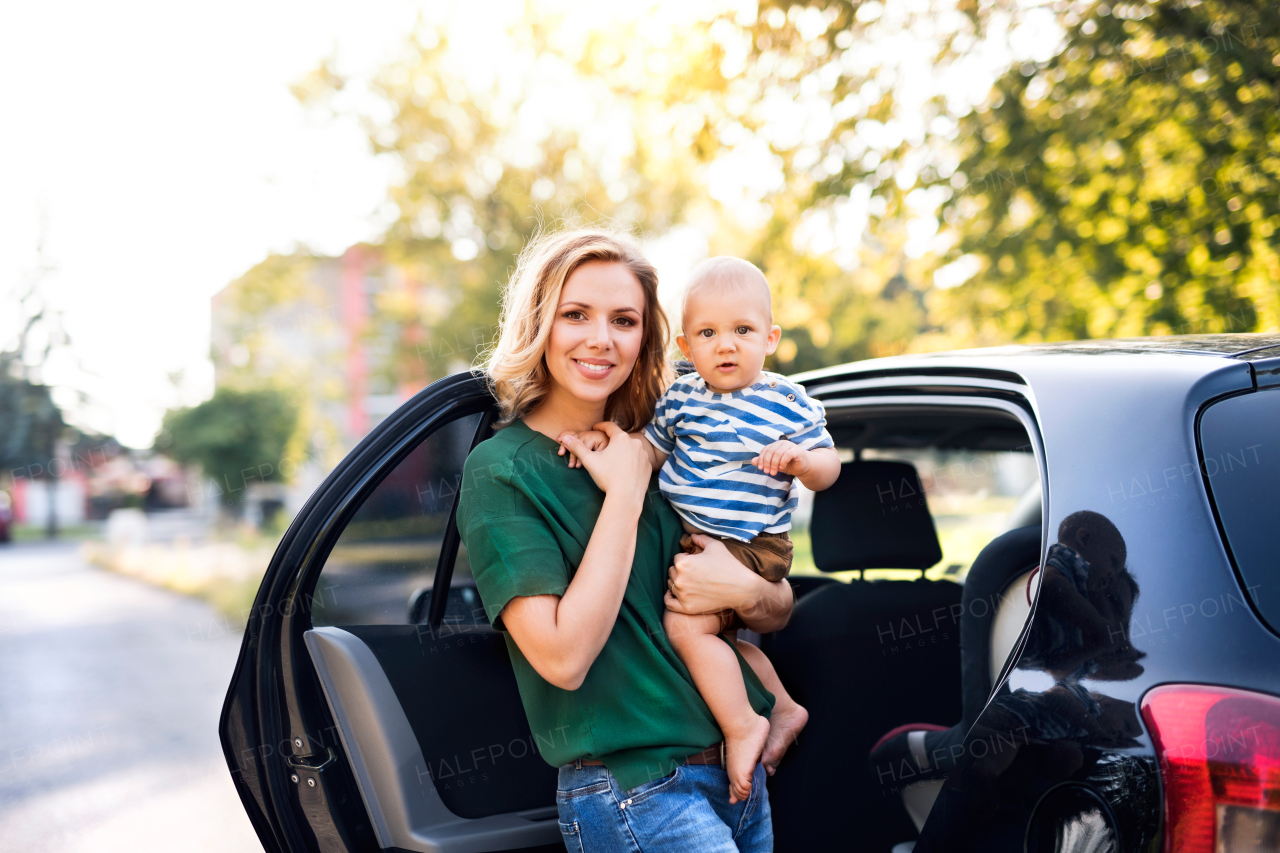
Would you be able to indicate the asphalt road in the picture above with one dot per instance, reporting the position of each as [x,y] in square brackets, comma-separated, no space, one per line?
[109,698]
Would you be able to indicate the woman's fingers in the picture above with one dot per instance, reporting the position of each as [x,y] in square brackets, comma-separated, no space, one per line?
[572,460]
[610,429]
[576,448]
[706,543]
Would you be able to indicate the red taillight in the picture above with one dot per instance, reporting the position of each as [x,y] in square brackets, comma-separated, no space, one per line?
[1219,752]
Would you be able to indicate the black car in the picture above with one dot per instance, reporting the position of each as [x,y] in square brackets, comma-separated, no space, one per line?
[1038,611]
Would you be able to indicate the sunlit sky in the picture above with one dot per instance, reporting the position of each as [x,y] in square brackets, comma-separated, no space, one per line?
[161,145]
[158,149]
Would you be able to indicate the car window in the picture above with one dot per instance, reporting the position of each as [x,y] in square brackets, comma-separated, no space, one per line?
[1240,457]
[462,604]
[389,550]
[973,496]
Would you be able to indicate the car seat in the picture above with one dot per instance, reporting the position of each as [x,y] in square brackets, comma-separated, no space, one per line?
[862,657]
[995,603]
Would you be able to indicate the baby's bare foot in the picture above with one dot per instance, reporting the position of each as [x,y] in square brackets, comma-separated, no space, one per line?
[784,726]
[742,751]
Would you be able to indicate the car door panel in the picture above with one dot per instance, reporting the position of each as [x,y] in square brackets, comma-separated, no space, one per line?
[467,715]
[398,785]
[301,694]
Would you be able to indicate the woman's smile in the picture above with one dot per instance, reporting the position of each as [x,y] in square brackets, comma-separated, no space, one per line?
[594,368]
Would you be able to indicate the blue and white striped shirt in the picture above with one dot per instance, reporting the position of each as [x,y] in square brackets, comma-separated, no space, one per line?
[711,439]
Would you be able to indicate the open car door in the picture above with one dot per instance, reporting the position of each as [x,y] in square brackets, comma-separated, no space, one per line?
[373,707]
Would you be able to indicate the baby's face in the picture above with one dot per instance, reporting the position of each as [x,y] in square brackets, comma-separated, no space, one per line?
[727,334]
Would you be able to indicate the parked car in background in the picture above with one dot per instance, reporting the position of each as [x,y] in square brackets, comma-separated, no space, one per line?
[1038,611]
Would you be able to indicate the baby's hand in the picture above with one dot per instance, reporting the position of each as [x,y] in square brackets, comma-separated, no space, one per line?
[591,439]
[785,457]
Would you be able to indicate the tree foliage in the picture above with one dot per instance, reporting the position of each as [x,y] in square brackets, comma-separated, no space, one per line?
[1128,186]
[562,131]
[238,437]
[32,421]
[908,176]
[1122,182]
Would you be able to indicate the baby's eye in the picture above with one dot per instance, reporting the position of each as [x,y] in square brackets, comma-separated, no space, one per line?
[707,333]
[744,330]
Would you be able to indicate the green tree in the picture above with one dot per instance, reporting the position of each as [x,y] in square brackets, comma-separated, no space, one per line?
[487,159]
[31,423]
[855,140]
[1119,182]
[1128,186]
[238,437]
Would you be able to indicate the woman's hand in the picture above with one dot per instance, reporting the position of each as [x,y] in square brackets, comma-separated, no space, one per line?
[592,439]
[622,468]
[713,581]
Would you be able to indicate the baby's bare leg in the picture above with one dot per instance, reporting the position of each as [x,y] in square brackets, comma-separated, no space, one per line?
[716,674]
[788,717]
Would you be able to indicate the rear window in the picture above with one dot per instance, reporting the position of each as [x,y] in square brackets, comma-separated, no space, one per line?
[1240,454]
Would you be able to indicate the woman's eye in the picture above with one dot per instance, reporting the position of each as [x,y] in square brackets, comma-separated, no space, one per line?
[626,321]
[573,315]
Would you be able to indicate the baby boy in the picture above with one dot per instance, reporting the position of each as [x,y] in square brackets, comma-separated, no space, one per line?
[730,441]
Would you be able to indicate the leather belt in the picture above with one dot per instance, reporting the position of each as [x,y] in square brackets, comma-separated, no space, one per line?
[713,755]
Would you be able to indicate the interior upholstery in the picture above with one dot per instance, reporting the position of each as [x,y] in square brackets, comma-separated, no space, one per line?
[874,517]
[399,786]
[862,657]
[459,692]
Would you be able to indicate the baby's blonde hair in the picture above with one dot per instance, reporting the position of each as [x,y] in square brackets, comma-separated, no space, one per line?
[724,272]
[516,369]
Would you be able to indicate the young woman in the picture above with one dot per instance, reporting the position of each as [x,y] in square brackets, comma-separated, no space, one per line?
[574,563]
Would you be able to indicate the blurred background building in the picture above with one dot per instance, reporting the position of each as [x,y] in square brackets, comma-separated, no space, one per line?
[314,327]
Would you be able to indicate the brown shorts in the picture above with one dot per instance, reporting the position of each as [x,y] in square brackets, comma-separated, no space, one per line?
[768,555]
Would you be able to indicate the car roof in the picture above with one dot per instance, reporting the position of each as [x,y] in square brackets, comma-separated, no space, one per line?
[1246,347]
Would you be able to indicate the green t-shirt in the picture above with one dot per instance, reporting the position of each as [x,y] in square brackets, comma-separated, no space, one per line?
[526,519]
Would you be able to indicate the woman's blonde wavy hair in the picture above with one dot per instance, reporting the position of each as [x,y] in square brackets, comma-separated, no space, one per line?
[516,368]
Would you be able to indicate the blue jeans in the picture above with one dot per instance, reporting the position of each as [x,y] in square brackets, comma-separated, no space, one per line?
[688,810]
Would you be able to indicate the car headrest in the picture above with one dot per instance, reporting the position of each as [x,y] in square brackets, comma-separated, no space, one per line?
[874,517]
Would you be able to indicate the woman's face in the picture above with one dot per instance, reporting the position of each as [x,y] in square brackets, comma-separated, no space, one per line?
[597,333]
